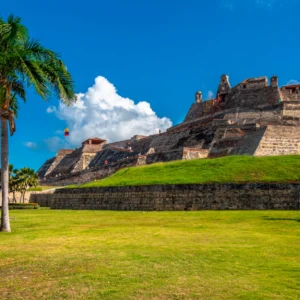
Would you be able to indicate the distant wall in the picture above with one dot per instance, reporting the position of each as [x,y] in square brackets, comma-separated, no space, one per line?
[181,197]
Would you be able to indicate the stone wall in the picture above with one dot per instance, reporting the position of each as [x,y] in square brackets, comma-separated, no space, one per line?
[279,140]
[290,94]
[43,199]
[42,171]
[291,110]
[95,173]
[59,156]
[65,166]
[181,197]
[249,98]
[200,109]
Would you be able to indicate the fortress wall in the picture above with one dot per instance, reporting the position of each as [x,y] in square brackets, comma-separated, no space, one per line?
[177,154]
[83,162]
[271,114]
[279,140]
[96,172]
[120,144]
[198,110]
[290,94]
[42,171]
[92,148]
[291,110]
[181,197]
[167,141]
[164,156]
[249,98]
[66,164]
[110,155]
[59,156]
[236,141]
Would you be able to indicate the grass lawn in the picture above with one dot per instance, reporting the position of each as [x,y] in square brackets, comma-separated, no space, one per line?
[40,188]
[155,255]
[237,169]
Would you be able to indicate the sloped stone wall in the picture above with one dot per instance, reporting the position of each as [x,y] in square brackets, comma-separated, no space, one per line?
[181,197]
[279,140]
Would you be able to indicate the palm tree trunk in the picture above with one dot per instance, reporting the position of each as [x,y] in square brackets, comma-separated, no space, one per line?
[5,225]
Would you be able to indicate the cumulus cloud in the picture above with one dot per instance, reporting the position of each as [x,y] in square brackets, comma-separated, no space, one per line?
[101,112]
[31,145]
[51,109]
[293,81]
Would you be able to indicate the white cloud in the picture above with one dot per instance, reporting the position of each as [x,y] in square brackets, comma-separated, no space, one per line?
[210,95]
[30,145]
[51,109]
[101,112]
[293,81]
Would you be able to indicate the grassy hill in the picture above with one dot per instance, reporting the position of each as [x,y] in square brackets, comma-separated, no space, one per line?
[237,169]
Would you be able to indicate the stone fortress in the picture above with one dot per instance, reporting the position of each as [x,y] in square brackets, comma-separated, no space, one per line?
[254,117]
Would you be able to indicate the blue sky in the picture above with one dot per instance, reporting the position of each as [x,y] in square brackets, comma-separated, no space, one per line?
[156,53]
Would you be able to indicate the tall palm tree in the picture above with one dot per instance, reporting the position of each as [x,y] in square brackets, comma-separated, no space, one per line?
[25,63]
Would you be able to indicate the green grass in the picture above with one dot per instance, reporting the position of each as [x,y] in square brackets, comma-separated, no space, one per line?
[237,169]
[154,255]
[40,188]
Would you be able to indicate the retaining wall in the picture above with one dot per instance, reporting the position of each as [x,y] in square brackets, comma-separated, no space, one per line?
[180,197]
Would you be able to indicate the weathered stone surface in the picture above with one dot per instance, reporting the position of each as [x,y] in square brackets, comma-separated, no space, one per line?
[178,197]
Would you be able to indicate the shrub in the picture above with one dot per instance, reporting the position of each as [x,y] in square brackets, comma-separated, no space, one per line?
[24,206]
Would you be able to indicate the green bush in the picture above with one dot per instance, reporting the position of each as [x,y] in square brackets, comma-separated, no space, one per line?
[24,206]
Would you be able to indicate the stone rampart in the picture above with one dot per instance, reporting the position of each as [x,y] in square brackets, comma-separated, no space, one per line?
[279,140]
[181,197]
[43,199]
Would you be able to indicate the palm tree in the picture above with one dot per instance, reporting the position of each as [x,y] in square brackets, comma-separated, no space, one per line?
[14,181]
[25,62]
[26,178]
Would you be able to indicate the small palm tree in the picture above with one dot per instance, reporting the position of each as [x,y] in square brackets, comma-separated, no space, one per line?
[14,182]
[25,62]
[26,178]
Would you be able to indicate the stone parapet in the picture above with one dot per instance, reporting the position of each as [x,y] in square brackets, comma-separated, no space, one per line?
[181,197]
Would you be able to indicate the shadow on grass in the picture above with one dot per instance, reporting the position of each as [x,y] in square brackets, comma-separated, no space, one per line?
[280,219]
